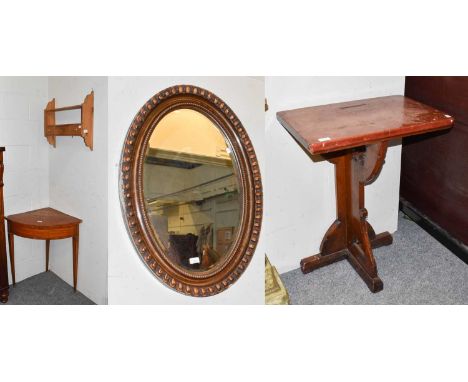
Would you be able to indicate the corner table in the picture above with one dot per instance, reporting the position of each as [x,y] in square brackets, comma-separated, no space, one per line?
[44,224]
[354,137]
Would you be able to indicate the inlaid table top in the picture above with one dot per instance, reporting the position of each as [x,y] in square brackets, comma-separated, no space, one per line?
[338,126]
[44,218]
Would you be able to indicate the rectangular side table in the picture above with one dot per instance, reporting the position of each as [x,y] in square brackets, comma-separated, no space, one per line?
[44,224]
[354,137]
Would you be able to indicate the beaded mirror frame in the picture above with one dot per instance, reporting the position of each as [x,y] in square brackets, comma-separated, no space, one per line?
[149,247]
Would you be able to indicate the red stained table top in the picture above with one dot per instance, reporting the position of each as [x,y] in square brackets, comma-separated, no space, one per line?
[338,126]
[44,218]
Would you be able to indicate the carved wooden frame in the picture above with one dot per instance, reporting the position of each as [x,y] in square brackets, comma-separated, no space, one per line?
[147,244]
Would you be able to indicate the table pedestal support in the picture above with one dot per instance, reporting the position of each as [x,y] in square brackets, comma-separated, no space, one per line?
[351,236]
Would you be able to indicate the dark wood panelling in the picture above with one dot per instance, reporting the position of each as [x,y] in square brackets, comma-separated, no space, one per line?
[434,174]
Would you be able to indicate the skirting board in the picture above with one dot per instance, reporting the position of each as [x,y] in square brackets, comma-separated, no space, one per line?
[456,246]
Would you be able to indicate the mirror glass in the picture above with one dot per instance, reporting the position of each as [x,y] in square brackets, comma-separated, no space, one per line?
[191,189]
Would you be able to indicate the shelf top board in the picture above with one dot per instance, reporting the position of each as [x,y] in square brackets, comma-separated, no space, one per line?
[339,126]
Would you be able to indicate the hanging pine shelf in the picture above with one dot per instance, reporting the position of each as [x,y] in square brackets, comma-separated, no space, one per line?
[83,129]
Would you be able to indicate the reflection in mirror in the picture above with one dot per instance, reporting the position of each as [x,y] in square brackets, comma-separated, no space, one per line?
[191,189]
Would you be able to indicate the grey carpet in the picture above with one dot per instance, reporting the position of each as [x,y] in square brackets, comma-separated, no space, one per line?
[415,269]
[45,289]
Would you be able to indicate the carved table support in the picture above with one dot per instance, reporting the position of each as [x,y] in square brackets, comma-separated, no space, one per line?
[351,236]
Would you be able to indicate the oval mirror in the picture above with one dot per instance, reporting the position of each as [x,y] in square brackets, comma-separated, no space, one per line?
[191,190]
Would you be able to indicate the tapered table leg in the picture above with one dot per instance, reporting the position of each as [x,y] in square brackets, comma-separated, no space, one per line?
[76,239]
[47,246]
[351,236]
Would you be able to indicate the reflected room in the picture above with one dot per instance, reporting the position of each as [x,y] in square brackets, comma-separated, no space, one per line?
[191,190]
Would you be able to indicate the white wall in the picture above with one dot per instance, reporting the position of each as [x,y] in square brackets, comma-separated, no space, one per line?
[299,193]
[78,186]
[130,282]
[22,100]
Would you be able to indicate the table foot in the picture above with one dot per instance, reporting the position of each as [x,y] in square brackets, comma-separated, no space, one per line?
[362,262]
[370,277]
[311,263]
[4,294]
[381,240]
[372,280]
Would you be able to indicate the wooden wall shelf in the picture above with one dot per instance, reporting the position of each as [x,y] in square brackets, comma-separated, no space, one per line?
[82,129]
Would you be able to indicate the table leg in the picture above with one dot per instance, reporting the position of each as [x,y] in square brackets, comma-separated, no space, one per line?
[47,247]
[4,294]
[11,246]
[351,236]
[76,238]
